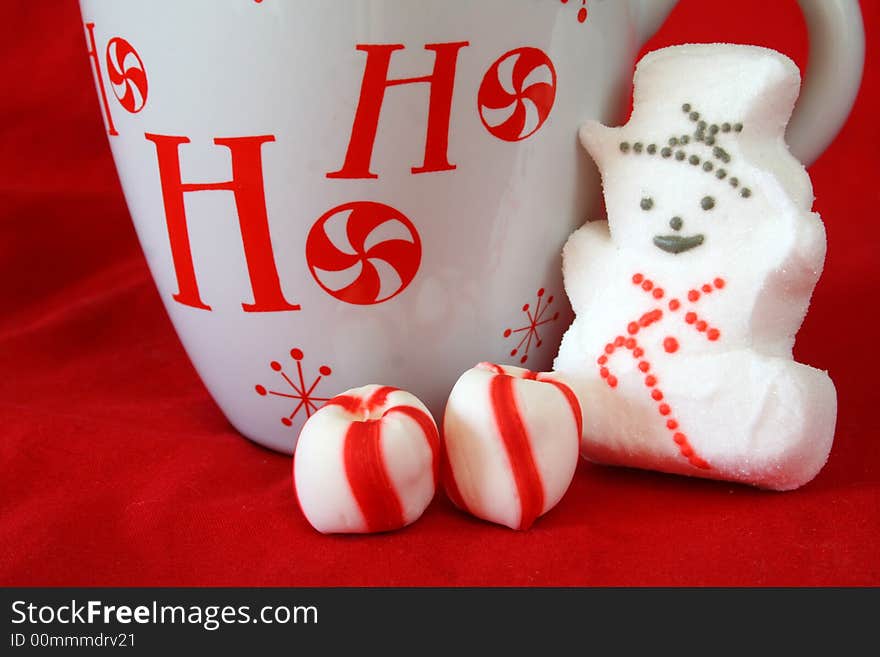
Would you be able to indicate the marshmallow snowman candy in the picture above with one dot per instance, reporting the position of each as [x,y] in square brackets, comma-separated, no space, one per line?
[367,461]
[688,298]
[510,441]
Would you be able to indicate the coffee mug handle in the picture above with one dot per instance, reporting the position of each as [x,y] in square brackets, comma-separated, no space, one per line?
[834,71]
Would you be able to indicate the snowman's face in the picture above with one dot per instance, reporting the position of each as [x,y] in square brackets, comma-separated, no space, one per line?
[672,208]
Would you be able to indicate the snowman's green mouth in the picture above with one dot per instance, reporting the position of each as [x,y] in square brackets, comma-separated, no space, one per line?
[677,243]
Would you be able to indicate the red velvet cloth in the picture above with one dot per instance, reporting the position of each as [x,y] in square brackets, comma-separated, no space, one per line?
[116,468]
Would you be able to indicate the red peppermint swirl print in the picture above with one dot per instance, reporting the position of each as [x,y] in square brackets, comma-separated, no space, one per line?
[517,94]
[128,78]
[363,252]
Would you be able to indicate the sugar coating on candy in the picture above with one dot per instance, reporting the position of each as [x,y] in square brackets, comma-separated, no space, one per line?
[510,443]
[687,305]
[367,461]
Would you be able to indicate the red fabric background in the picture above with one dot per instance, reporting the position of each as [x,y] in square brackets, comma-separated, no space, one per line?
[116,468]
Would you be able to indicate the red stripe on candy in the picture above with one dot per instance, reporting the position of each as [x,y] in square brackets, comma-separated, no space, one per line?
[355,405]
[448,478]
[450,485]
[572,400]
[368,477]
[519,451]
[349,403]
[428,428]
[379,397]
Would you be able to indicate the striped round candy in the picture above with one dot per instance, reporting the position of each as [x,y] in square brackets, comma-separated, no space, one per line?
[511,440]
[517,94]
[367,461]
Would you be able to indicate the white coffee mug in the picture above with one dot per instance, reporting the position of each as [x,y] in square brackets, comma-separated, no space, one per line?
[331,194]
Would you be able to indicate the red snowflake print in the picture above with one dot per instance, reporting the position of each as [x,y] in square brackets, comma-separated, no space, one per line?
[536,318]
[296,388]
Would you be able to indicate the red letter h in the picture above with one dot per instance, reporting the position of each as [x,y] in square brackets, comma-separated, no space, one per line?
[366,118]
[247,187]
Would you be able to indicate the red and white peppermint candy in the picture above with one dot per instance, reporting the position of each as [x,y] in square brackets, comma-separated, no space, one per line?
[511,441]
[367,461]
[128,78]
[363,252]
[517,94]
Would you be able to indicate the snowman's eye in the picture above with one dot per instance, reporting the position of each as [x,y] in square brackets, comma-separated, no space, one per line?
[707,203]
[647,203]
